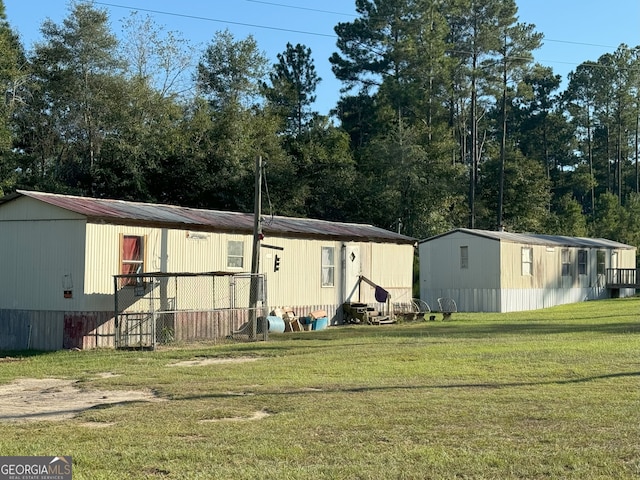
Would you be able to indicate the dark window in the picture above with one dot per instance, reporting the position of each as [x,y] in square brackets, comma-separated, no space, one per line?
[566,262]
[464,257]
[582,262]
[601,262]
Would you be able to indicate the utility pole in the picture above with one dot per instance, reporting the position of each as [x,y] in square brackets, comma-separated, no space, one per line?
[255,258]
[257,213]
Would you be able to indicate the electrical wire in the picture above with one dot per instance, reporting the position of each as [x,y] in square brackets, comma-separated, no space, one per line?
[305,32]
[209,19]
[326,35]
[302,8]
[266,191]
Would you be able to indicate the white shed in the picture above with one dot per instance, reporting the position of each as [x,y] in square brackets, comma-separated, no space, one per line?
[59,255]
[487,271]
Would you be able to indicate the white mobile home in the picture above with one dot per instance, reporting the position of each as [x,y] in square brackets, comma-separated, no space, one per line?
[59,255]
[486,271]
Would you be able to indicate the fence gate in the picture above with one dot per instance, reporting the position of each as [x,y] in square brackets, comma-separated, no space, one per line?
[162,308]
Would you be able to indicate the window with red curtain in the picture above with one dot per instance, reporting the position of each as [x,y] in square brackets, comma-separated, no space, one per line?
[132,256]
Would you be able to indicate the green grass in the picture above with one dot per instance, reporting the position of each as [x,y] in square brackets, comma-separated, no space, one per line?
[546,394]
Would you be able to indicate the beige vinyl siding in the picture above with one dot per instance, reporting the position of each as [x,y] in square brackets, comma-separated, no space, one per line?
[299,279]
[511,267]
[494,279]
[165,251]
[198,251]
[626,258]
[391,266]
[103,258]
[547,267]
[45,258]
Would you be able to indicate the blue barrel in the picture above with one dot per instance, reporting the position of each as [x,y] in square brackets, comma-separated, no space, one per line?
[320,323]
[276,324]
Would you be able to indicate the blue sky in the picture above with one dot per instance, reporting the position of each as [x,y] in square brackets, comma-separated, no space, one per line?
[575,30]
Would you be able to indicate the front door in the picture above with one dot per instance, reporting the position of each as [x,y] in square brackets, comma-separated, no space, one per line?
[614,266]
[352,268]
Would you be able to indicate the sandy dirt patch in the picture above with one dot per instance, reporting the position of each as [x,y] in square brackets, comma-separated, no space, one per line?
[256,416]
[212,361]
[30,399]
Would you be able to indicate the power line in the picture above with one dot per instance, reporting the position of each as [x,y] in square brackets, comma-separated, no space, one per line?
[306,32]
[290,30]
[209,19]
[302,8]
[578,43]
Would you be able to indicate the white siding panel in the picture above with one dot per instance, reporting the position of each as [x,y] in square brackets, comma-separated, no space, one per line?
[467,299]
[515,300]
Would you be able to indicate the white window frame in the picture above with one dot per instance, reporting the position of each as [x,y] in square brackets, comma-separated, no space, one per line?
[139,263]
[527,261]
[233,256]
[601,260]
[464,257]
[328,266]
[582,262]
[566,262]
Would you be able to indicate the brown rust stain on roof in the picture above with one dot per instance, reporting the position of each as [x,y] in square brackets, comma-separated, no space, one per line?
[171,216]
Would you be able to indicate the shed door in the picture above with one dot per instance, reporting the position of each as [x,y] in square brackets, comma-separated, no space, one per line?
[352,268]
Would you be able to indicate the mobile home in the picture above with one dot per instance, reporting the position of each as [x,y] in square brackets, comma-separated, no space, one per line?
[487,271]
[59,255]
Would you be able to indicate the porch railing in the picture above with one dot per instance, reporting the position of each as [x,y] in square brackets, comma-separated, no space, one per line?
[623,278]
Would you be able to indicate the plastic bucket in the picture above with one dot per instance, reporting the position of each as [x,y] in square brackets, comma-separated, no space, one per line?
[276,324]
[320,323]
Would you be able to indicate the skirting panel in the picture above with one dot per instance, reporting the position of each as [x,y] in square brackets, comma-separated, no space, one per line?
[516,300]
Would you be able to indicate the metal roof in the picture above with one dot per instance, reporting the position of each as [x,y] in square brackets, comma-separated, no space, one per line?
[538,239]
[170,216]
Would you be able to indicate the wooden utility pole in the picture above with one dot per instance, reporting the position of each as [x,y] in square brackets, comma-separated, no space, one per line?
[257,213]
[255,258]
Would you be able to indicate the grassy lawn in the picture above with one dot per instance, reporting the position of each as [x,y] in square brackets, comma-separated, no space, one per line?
[546,394]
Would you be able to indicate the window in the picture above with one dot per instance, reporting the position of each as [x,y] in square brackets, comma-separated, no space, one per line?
[464,257]
[328,267]
[566,262]
[601,262]
[235,254]
[132,257]
[527,261]
[582,262]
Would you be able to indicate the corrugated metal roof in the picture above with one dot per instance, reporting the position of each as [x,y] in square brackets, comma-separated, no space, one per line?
[170,216]
[538,239]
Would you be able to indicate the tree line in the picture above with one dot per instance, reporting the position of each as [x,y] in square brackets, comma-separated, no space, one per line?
[444,121]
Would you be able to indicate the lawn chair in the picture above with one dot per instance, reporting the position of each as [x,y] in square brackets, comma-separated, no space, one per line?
[411,310]
[289,317]
[291,321]
[447,307]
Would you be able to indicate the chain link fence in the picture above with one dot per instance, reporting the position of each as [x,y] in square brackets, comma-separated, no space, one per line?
[162,308]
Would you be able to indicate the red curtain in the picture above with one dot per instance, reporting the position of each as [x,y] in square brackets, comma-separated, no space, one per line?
[130,251]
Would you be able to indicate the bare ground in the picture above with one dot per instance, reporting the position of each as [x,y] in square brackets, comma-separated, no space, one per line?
[31,399]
